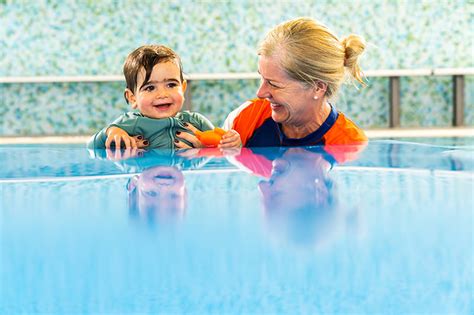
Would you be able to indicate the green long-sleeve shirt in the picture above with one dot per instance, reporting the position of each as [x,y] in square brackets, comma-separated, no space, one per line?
[160,133]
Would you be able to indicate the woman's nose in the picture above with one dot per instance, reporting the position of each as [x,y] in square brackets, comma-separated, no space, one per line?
[262,91]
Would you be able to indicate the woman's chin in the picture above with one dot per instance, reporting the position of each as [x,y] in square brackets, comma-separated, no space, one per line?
[279,116]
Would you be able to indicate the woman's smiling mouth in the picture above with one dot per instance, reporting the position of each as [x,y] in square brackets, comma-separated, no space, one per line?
[275,106]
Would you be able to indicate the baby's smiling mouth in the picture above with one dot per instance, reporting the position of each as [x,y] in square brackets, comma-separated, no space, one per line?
[163,105]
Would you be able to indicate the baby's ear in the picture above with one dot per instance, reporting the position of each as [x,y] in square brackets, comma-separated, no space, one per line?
[130,97]
[184,85]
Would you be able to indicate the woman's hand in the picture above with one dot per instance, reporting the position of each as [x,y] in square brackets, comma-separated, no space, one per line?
[191,138]
[231,139]
[117,135]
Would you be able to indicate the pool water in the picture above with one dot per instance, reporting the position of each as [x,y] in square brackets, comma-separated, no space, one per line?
[384,229]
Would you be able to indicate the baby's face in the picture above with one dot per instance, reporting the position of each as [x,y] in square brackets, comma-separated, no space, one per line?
[163,95]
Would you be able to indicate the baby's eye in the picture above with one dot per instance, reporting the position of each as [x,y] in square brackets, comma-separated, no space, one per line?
[172,84]
[149,88]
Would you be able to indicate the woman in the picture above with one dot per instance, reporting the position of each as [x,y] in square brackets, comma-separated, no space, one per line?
[302,65]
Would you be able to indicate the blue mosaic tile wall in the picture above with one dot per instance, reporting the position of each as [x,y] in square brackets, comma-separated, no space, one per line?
[85,37]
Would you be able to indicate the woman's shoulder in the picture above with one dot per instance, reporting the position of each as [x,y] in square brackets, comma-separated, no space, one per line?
[252,110]
[344,131]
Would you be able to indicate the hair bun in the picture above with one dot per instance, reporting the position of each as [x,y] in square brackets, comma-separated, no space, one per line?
[354,46]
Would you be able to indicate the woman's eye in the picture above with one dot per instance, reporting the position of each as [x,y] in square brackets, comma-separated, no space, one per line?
[272,85]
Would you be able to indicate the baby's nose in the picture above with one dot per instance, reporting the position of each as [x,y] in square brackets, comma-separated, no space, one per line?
[161,93]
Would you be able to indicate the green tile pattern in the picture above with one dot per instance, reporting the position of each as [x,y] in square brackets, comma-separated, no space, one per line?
[85,37]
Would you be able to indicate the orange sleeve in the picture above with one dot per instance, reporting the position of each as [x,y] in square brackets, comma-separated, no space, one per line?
[345,140]
[251,117]
[344,131]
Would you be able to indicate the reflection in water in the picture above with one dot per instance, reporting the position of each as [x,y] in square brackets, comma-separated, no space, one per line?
[300,205]
[69,246]
[299,198]
[158,194]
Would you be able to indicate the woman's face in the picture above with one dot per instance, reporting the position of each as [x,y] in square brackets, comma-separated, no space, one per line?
[292,102]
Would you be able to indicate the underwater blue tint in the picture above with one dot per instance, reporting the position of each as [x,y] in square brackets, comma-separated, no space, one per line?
[286,231]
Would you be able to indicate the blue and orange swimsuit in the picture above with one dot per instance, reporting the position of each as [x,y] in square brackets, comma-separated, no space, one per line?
[340,137]
[253,121]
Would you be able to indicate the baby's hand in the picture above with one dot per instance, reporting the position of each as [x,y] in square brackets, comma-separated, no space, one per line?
[117,135]
[231,139]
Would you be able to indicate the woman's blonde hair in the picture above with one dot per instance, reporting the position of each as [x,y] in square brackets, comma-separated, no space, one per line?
[309,52]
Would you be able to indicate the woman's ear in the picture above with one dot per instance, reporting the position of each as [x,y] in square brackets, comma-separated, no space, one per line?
[321,85]
[320,89]
[130,97]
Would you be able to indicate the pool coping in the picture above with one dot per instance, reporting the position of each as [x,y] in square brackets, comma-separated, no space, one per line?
[371,133]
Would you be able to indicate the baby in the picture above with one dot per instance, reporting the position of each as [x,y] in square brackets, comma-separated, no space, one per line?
[155,87]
